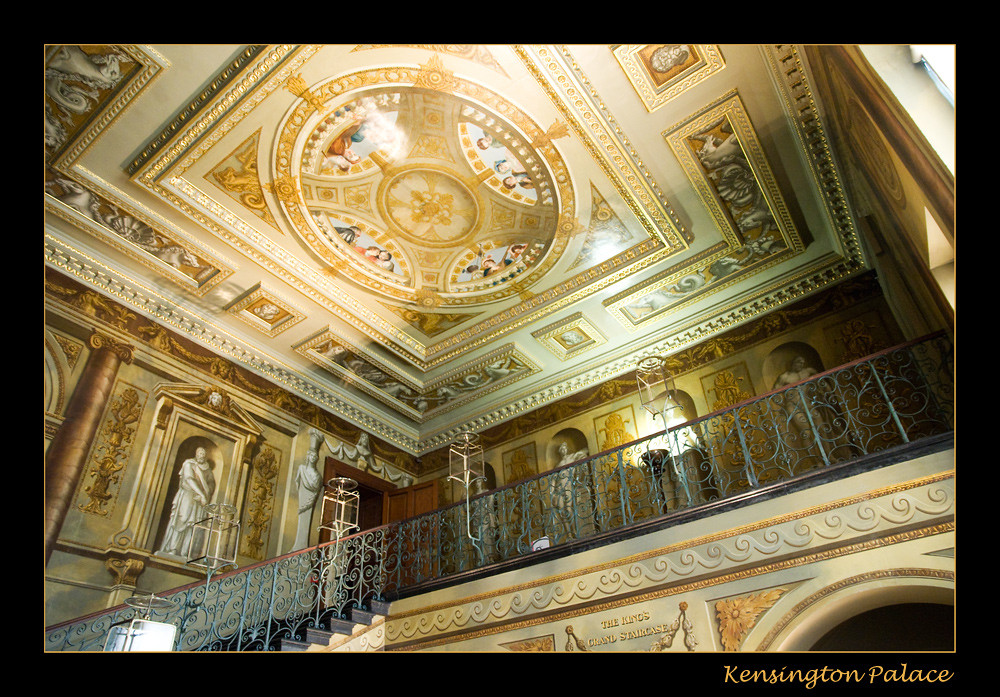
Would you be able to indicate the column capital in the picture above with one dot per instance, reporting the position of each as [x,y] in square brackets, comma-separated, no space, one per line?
[123,351]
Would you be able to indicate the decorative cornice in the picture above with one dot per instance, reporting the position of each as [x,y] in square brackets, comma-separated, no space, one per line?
[246,57]
[602,383]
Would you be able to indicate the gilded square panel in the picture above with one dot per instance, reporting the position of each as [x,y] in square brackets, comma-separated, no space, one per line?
[262,309]
[659,72]
[570,336]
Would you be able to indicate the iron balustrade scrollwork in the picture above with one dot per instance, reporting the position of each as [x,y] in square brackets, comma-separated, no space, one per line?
[891,398]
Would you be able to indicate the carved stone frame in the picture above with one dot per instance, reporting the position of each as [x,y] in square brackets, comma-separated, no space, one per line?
[181,410]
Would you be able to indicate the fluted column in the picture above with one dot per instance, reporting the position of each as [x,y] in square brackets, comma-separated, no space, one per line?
[67,454]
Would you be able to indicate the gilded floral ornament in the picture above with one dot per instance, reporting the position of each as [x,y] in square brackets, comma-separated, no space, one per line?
[559,129]
[426,297]
[738,615]
[297,86]
[286,188]
[433,76]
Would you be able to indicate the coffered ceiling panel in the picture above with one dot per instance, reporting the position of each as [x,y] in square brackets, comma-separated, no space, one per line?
[428,238]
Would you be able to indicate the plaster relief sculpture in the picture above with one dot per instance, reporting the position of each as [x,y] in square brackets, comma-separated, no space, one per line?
[361,456]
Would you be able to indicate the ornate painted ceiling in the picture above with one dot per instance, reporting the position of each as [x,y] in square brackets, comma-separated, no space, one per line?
[427,238]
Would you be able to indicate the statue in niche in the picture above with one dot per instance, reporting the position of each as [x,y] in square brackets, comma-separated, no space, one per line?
[566,457]
[195,490]
[310,483]
[797,370]
[793,403]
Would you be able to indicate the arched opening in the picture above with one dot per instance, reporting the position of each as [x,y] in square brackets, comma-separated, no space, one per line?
[873,610]
[901,627]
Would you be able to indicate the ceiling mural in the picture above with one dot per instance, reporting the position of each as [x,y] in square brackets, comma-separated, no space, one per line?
[458,206]
[725,163]
[659,72]
[165,252]
[420,400]
[436,237]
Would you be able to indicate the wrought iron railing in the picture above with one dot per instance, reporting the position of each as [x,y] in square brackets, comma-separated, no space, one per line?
[895,397]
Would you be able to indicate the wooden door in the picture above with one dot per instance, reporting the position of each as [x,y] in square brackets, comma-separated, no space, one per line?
[372,492]
[411,501]
[415,548]
[380,500]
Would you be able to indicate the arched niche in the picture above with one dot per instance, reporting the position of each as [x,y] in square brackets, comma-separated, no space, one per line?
[186,417]
[686,412]
[187,450]
[780,359]
[576,443]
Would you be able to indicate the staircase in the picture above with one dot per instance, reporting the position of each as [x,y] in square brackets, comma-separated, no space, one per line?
[362,632]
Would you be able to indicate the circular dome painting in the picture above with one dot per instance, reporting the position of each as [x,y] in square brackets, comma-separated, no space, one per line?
[423,196]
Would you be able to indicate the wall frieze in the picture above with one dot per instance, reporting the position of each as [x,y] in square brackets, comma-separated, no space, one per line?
[848,526]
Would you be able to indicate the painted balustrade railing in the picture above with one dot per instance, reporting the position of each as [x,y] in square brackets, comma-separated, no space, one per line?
[891,398]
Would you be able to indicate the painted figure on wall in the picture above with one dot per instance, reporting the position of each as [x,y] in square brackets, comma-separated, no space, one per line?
[195,490]
[360,455]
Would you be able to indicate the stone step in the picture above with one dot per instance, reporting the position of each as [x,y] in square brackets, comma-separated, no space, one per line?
[379,607]
[336,627]
[317,635]
[360,616]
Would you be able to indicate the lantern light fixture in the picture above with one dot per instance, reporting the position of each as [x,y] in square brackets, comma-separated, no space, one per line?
[141,633]
[215,538]
[339,513]
[467,466]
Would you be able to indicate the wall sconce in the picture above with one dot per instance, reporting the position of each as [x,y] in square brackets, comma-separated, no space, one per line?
[140,633]
[214,539]
[467,466]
